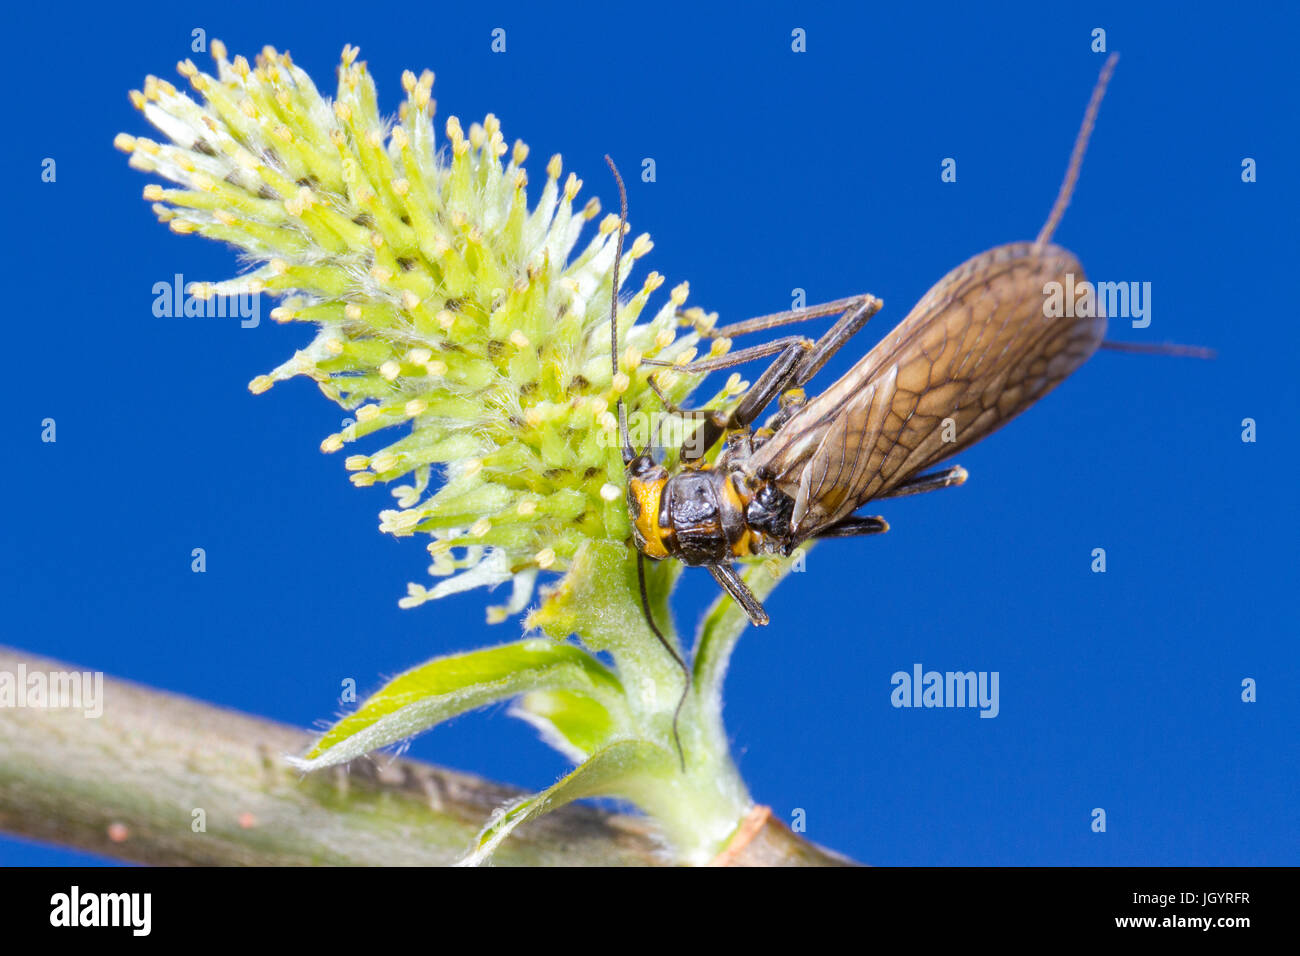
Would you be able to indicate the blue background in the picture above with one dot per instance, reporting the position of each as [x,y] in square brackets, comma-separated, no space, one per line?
[776,170]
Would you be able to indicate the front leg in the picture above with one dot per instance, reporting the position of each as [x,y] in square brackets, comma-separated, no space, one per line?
[732,583]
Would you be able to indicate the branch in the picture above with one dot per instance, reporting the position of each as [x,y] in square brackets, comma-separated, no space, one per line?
[126,785]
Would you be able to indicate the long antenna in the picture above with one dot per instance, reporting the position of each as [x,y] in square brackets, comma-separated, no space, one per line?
[1160,348]
[1076,157]
[686,671]
[629,455]
[1063,200]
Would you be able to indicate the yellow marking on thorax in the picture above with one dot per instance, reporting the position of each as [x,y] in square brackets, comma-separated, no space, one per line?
[647,495]
[734,499]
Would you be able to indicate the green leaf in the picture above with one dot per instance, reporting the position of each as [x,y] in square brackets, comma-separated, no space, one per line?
[571,722]
[447,686]
[623,769]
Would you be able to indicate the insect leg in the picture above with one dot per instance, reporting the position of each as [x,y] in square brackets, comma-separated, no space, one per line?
[844,329]
[739,357]
[854,526]
[819,352]
[947,478]
[800,360]
[673,407]
[857,525]
[762,323]
[731,582]
[771,383]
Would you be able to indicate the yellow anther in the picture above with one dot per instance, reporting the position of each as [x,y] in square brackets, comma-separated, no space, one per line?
[384,461]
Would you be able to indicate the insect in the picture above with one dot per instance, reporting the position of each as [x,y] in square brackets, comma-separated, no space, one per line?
[976,351]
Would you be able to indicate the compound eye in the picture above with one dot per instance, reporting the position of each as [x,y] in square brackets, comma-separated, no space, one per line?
[641,466]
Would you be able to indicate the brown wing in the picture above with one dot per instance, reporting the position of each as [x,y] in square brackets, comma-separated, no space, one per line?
[978,348]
